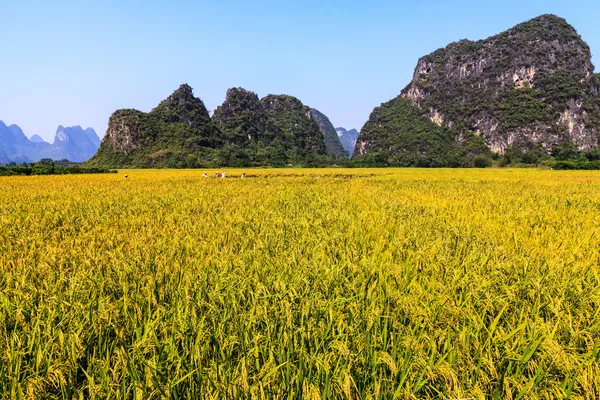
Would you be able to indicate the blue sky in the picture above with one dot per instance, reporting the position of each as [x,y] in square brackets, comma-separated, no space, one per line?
[76,62]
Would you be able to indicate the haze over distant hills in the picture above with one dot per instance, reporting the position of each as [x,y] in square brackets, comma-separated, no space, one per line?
[72,143]
[36,139]
[75,144]
[332,141]
[348,139]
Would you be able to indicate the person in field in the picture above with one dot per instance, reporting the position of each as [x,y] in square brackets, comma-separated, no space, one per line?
[205,175]
[223,175]
[243,175]
[218,175]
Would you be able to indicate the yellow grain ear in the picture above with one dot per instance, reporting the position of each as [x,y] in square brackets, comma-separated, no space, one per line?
[397,283]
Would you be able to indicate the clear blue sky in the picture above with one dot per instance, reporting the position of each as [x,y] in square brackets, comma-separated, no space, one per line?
[76,62]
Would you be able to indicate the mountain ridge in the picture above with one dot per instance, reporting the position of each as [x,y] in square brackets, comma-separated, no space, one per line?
[276,130]
[532,86]
[72,143]
[37,139]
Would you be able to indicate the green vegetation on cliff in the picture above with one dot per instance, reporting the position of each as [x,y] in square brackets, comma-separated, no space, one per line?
[522,93]
[532,82]
[596,105]
[241,118]
[177,133]
[274,131]
[289,130]
[332,141]
[399,134]
[244,131]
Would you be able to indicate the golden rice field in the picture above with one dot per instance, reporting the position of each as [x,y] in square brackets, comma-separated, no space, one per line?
[301,284]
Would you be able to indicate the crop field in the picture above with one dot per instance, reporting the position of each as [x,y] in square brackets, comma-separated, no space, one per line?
[301,284]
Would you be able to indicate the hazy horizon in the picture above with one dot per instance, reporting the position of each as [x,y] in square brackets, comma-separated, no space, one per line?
[75,64]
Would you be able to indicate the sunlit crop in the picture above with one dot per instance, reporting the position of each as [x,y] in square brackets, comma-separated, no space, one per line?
[290,284]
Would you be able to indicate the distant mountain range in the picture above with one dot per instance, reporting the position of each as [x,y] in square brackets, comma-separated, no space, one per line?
[348,139]
[72,143]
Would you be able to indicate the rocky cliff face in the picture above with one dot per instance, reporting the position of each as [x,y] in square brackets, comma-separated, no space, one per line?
[332,142]
[348,139]
[400,134]
[596,94]
[531,85]
[128,130]
[171,135]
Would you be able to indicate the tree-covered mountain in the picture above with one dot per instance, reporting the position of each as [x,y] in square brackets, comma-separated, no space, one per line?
[241,118]
[276,130]
[332,142]
[71,143]
[244,131]
[348,139]
[292,136]
[177,133]
[241,121]
[398,134]
[531,86]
